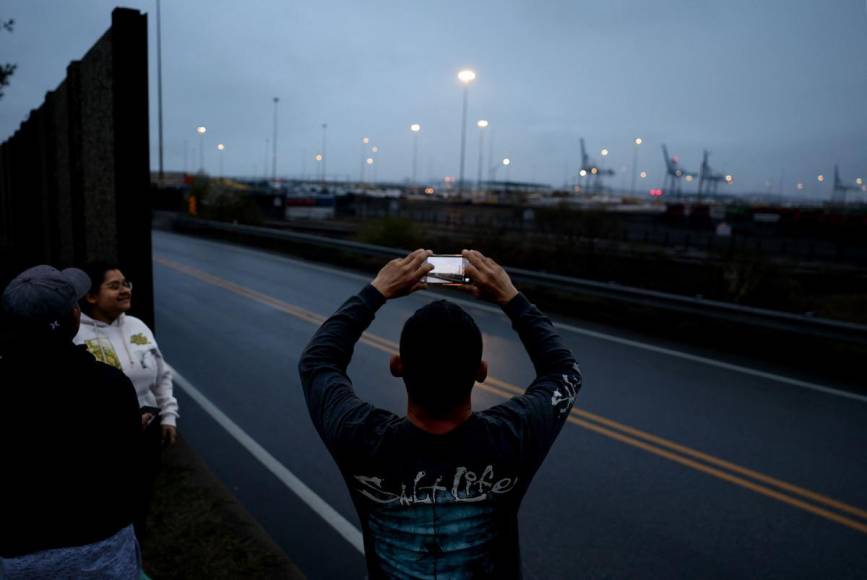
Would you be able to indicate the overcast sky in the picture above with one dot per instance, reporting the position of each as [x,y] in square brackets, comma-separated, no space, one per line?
[775,89]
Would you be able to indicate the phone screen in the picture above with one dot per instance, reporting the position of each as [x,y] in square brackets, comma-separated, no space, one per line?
[447,270]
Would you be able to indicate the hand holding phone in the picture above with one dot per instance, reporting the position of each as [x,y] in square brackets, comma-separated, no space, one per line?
[490,280]
[448,270]
[402,276]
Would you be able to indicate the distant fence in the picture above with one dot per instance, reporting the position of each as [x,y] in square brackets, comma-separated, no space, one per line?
[75,176]
[823,234]
[796,324]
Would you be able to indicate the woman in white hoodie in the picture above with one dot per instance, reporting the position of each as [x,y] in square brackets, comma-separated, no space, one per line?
[125,342]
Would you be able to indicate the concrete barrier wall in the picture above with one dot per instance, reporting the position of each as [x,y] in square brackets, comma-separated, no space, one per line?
[74,178]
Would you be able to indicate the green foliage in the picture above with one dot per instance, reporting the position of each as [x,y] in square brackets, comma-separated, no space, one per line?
[225,204]
[6,69]
[393,232]
[570,224]
[755,280]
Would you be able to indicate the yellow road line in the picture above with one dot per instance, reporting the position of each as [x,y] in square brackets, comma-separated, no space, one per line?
[843,520]
[817,497]
[591,421]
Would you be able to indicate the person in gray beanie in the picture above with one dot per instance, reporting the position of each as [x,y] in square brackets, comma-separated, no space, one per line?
[67,494]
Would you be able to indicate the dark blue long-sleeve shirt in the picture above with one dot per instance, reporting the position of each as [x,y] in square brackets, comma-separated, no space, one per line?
[438,505]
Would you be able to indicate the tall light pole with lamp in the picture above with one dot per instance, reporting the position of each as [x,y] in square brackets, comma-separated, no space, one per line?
[201,130]
[416,129]
[364,143]
[369,163]
[466,76]
[274,144]
[319,159]
[482,124]
[604,154]
[160,92]
[220,149]
[637,142]
[324,134]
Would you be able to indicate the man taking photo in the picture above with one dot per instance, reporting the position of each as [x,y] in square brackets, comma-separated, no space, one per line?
[438,491]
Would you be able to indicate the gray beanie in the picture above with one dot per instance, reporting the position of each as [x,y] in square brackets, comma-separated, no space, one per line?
[42,298]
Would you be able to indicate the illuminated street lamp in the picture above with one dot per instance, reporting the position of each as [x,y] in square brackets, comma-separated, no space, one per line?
[643,175]
[730,179]
[220,148]
[482,124]
[637,142]
[859,181]
[416,129]
[274,143]
[821,178]
[507,163]
[324,150]
[201,130]
[364,142]
[466,76]
[583,173]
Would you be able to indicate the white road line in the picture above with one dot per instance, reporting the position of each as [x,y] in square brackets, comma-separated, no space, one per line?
[342,526]
[574,329]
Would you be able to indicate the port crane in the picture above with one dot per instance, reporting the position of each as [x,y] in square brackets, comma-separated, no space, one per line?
[841,188]
[590,171]
[673,173]
[708,179]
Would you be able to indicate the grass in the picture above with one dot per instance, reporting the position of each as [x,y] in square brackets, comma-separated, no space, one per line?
[197,529]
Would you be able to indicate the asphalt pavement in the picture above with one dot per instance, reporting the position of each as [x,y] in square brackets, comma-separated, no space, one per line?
[677,463]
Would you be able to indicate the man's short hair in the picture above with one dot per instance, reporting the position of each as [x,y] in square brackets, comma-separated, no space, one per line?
[441,348]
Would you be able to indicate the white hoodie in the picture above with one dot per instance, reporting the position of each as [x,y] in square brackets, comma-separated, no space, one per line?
[129,345]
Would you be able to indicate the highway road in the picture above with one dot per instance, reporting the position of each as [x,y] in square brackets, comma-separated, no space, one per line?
[675,463]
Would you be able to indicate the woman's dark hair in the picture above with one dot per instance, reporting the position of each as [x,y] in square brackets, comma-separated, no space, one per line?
[441,348]
[96,272]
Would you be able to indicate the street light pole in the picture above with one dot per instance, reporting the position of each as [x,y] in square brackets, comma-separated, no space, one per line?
[160,91]
[481,124]
[601,171]
[201,130]
[274,144]
[221,148]
[324,156]
[416,129]
[364,142]
[466,76]
[637,142]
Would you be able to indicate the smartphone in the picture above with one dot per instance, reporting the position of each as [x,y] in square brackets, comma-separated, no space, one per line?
[448,270]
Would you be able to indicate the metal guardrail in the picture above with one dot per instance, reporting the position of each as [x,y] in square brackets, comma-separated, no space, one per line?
[757,317]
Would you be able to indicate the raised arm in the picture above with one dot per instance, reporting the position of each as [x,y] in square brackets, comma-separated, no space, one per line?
[543,344]
[546,404]
[327,388]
